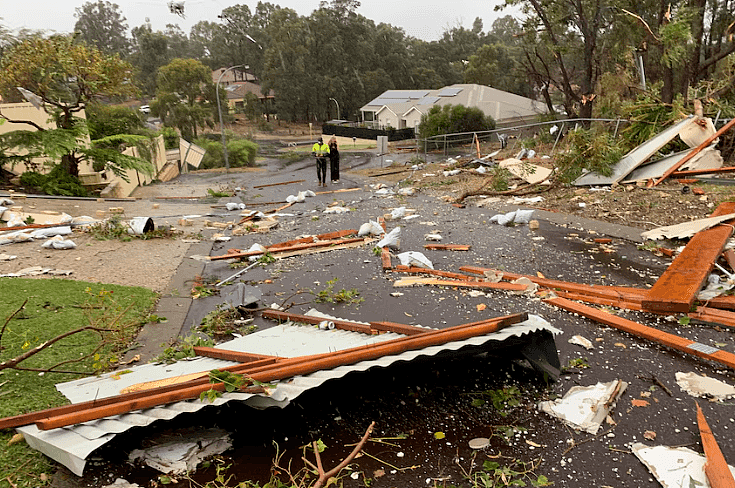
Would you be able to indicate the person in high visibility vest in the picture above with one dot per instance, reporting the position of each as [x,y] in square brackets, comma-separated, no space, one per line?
[321,152]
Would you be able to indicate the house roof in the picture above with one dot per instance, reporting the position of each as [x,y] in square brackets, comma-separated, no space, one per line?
[72,445]
[238,90]
[231,76]
[497,103]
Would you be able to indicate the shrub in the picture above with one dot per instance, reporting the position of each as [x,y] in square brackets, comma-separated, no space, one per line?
[170,138]
[57,182]
[240,153]
[450,119]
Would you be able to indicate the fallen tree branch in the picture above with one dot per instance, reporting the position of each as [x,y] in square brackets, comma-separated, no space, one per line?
[7,321]
[324,477]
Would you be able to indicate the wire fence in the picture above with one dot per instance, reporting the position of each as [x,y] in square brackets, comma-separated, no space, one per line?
[509,137]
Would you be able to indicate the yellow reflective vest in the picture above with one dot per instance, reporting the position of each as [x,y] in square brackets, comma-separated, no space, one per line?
[320,150]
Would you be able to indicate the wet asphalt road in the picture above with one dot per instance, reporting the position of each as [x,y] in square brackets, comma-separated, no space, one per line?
[437,396]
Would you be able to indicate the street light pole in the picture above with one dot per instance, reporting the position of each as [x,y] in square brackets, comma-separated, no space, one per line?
[335,101]
[219,110]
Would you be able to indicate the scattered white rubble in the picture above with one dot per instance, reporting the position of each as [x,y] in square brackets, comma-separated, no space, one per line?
[704,386]
[392,239]
[336,210]
[414,258]
[122,483]
[230,206]
[406,191]
[433,237]
[179,453]
[370,228]
[585,407]
[451,172]
[58,242]
[674,467]
[578,340]
[515,217]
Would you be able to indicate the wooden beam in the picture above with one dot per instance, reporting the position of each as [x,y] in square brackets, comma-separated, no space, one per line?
[716,468]
[695,151]
[676,289]
[277,184]
[447,247]
[670,340]
[309,319]
[695,172]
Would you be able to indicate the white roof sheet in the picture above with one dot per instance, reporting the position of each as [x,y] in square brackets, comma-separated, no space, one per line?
[71,445]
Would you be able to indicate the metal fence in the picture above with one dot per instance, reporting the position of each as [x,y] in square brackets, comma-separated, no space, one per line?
[455,144]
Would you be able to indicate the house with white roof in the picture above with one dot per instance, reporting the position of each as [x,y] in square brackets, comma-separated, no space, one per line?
[402,109]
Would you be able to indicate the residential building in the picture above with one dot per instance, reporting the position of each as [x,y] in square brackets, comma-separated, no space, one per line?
[402,109]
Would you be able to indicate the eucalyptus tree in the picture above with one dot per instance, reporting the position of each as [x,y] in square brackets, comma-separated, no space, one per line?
[102,24]
[185,96]
[562,43]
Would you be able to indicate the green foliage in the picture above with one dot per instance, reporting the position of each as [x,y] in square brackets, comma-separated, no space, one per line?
[241,152]
[185,96]
[109,120]
[502,399]
[112,228]
[220,322]
[452,119]
[170,137]
[328,295]
[580,363]
[591,150]
[648,116]
[182,349]
[500,178]
[57,182]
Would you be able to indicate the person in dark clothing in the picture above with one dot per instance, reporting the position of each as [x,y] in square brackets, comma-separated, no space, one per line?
[334,160]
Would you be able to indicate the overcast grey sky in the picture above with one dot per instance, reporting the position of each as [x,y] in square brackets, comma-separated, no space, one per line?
[422,19]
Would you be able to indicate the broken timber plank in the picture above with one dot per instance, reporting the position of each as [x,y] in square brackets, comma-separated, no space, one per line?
[277,184]
[676,289]
[310,319]
[296,247]
[695,172]
[696,150]
[716,468]
[253,360]
[670,340]
[478,285]
[444,274]
[713,316]
[619,292]
[448,247]
[320,237]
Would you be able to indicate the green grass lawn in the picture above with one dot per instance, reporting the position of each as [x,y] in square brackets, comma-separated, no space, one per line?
[54,307]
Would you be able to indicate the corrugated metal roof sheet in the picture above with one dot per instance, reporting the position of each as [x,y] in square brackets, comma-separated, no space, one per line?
[71,445]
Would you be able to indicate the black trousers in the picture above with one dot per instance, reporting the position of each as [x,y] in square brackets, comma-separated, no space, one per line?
[321,169]
[334,168]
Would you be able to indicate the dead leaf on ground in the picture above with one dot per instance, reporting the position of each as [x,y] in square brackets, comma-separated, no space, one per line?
[650,435]
[15,439]
[610,421]
[481,307]
[620,344]
[639,403]
[540,274]
[378,473]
